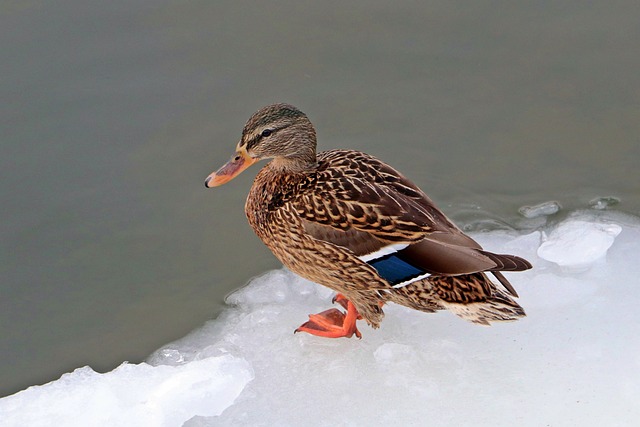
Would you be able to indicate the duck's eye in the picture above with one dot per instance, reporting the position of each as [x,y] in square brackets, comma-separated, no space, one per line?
[265,133]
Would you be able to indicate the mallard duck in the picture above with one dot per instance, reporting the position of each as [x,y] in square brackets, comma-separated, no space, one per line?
[348,221]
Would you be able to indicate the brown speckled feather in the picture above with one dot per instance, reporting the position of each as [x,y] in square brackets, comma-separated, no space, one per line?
[271,213]
[355,191]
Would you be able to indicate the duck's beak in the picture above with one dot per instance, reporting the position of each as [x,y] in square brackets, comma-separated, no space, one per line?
[239,162]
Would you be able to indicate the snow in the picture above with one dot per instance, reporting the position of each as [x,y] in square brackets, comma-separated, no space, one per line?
[574,360]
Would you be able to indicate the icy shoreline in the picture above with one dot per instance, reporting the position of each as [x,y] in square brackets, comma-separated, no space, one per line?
[574,360]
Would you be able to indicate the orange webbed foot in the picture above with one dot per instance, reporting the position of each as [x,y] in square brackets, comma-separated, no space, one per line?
[333,323]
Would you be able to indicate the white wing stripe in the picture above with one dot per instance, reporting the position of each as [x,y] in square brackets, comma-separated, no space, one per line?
[414,279]
[384,251]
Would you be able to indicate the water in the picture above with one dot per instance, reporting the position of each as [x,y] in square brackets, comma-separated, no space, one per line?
[114,112]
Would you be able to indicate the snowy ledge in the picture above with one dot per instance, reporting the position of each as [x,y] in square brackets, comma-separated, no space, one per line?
[574,360]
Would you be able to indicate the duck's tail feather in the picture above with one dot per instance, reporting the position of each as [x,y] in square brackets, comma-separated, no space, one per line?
[474,297]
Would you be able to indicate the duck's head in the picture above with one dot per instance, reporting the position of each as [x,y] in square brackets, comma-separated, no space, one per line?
[280,132]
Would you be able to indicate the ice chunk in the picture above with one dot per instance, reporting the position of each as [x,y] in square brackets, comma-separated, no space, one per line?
[542,209]
[576,244]
[130,395]
[602,203]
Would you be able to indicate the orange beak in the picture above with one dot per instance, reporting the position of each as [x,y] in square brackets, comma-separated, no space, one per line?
[231,169]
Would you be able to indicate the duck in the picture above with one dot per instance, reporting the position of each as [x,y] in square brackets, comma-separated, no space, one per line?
[348,221]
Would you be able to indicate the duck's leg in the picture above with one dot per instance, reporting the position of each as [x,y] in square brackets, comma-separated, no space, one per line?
[333,323]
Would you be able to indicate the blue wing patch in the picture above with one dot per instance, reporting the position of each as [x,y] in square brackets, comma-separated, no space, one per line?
[394,270]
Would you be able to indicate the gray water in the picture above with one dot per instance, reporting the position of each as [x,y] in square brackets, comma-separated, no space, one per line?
[114,112]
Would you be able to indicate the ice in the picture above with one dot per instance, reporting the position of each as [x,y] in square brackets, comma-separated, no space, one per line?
[574,360]
[601,203]
[576,243]
[131,395]
[542,209]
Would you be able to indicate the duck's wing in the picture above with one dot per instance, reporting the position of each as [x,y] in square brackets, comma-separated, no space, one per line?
[363,204]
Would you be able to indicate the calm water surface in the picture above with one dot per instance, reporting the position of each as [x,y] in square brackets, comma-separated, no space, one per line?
[114,112]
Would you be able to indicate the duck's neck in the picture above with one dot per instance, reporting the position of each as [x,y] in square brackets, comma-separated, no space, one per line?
[293,165]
